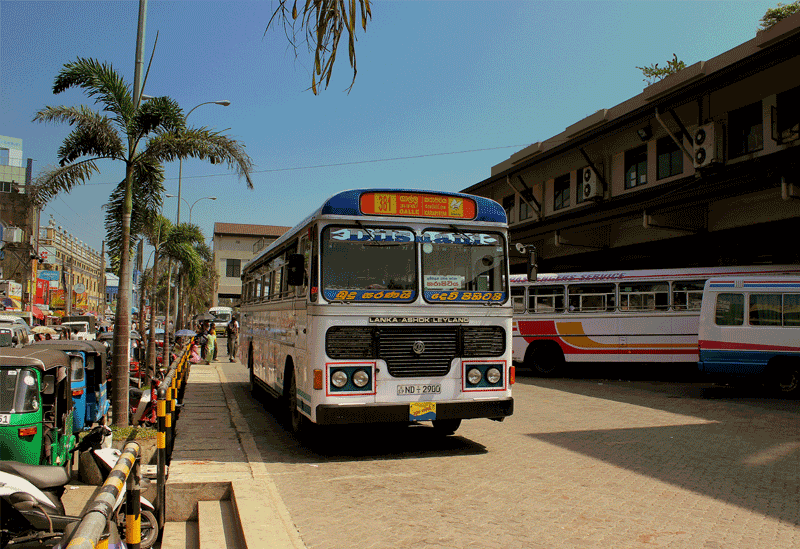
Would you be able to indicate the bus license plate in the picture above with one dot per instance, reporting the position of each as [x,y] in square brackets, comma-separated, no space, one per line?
[430,389]
[5,419]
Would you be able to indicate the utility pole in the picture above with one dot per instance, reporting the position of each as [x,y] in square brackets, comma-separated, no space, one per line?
[103,279]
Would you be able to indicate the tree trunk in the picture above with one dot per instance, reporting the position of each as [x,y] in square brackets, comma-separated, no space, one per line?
[151,338]
[165,355]
[120,365]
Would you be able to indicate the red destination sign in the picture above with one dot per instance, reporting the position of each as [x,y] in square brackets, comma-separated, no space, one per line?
[418,205]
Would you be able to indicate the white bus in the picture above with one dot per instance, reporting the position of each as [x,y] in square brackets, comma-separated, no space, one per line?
[384,306]
[613,316]
[751,327]
[222,315]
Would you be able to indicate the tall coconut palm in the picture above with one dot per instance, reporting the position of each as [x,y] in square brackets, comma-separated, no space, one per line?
[180,246]
[143,137]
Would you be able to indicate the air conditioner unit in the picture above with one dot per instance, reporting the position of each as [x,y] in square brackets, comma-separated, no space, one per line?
[708,145]
[590,185]
[12,235]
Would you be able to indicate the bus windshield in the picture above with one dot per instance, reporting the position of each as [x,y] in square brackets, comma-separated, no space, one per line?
[368,263]
[18,391]
[457,262]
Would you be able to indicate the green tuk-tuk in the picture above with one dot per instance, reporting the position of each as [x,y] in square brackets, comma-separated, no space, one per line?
[36,406]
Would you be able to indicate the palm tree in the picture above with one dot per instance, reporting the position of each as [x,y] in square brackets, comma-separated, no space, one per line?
[180,246]
[159,127]
[324,22]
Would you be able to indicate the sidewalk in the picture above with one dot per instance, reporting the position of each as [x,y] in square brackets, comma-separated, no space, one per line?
[215,458]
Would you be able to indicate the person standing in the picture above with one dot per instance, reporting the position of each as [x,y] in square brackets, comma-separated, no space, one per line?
[232,334]
[211,350]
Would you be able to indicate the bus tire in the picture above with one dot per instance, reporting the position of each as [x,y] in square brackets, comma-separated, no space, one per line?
[294,419]
[255,390]
[545,359]
[786,378]
[445,427]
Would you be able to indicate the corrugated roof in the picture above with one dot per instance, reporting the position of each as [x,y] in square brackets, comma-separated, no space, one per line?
[249,230]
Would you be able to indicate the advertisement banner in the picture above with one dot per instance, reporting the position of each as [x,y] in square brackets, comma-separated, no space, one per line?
[79,301]
[42,286]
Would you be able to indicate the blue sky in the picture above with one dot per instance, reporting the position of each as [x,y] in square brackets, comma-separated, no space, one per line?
[433,78]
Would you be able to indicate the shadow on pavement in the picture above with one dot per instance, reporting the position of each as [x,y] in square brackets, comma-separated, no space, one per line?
[342,443]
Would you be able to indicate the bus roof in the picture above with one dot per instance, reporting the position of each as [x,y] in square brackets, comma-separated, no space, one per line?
[350,204]
[687,273]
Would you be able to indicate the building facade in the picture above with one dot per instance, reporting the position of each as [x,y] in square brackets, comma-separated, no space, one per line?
[74,272]
[18,219]
[234,245]
[700,169]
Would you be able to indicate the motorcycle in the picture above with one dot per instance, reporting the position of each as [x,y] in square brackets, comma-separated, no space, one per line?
[30,496]
[149,415]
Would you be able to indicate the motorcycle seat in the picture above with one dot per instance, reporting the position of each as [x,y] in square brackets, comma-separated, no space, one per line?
[41,476]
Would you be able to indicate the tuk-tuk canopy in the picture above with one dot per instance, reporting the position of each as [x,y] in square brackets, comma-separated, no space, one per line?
[36,357]
[92,348]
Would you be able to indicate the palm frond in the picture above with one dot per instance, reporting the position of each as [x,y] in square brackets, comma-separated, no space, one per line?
[58,179]
[162,114]
[203,144]
[324,23]
[99,139]
[101,81]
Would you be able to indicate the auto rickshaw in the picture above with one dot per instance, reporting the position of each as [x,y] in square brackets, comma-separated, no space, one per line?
[135,353]
[36,406]
[89,376]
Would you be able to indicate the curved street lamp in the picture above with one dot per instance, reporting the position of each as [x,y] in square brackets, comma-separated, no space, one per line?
[195,202]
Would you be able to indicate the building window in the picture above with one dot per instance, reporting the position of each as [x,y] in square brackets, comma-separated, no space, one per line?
[788,106]
[746,130]
[4,157]
[561,192]
[525,211]
[5,186]
[233,268]
[508,206]
[670,158]
[636,167]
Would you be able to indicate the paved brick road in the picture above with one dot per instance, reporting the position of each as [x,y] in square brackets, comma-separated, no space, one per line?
[580,464]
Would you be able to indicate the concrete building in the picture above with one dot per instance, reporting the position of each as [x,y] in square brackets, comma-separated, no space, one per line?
[700,169]
[18,218]
[74,272]
[234,245]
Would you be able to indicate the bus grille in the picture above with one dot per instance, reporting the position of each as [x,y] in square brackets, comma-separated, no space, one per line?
[482,341]
[350,342]
[395,345]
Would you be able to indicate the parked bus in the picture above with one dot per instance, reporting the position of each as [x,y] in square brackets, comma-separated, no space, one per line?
[613,316]
[384,306]
[750,327]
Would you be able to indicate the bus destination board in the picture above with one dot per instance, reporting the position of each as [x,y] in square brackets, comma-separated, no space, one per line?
[418,205]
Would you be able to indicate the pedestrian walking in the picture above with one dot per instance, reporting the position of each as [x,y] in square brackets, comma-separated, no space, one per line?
[232,334]
[201,339]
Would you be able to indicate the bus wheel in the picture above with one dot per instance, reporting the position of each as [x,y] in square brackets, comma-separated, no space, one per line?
[445,427]
[787,379]
[545,360]
[296,419]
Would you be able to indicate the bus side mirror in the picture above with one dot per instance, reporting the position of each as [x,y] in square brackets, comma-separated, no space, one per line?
[296,268]
[532,267]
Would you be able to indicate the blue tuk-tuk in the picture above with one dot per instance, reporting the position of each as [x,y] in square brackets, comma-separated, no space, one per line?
[88,375]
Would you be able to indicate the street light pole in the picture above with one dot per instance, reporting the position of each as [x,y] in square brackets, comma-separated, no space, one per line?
[224,103]
[196,201]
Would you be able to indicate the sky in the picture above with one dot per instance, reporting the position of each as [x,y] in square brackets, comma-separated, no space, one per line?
[445,90]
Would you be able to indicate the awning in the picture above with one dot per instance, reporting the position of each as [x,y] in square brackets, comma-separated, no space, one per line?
[37,312]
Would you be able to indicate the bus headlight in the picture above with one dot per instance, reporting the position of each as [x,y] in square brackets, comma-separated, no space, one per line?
[339,379]
[474,376]
[360,378]
[493,375]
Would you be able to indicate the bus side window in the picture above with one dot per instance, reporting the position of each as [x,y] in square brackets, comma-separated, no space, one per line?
[546,299]
[729,310]
[644,296]
[687,295]
[592,297]
[765,309]
[791,310]
[518,298]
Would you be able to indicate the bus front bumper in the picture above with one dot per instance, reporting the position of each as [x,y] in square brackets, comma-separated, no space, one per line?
[328,414]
